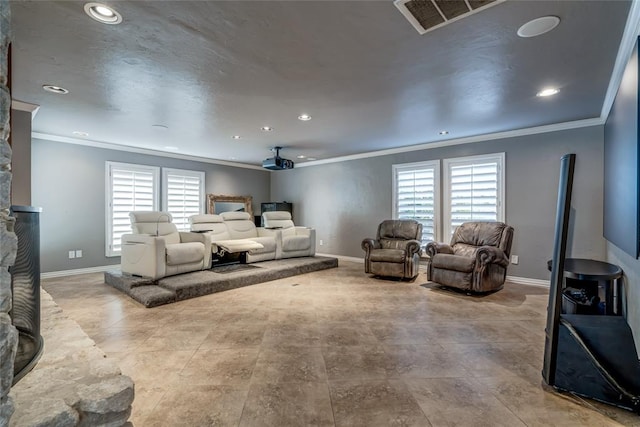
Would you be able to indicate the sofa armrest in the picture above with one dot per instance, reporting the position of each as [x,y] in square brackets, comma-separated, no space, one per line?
[491,255]
[434,248]
[205,239]
[368,244]
[143,255]
[413,247]
[269,232]
[303,231]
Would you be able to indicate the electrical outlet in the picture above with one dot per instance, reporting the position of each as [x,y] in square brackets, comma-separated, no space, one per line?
[514,259]
[79,253]
[72,254]
[321,242]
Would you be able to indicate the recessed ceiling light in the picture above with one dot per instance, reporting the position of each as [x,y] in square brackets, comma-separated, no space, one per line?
[266,128]
[236,137]
[548,92]
[311,158]
[538,26]
[232,158]
[170,147]
[55,89]
[304,117]
[80,133]
[444,132]
[301,156]
[102,13]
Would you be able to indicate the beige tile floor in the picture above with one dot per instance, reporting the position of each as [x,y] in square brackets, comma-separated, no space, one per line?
[334,348]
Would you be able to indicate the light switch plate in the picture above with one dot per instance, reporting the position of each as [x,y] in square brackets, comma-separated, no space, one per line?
[79,253]
[72,254]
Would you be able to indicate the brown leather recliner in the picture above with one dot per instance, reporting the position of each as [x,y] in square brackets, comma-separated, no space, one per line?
[396,250]
[475,261]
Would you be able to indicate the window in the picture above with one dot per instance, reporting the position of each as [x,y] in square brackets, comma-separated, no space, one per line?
[416,195]
[129,188]
[473,190]
[182,195]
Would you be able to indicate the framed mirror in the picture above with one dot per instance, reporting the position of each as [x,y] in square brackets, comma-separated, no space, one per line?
[218,203]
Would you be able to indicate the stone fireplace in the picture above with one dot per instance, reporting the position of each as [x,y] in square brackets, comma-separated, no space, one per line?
[73,383]
[8,240]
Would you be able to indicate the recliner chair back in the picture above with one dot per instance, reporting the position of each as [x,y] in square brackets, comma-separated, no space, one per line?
[213,224]
[471,235]
[280,219]
[394,234]
[155,223]
[240,225]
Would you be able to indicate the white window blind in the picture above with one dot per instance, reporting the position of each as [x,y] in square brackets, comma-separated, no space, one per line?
[473,190]
[129,188]
[416,195]
[182,195]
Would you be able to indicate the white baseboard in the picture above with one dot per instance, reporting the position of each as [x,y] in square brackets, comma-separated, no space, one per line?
[77,271]
[512,279]
[528,281]
[344,258]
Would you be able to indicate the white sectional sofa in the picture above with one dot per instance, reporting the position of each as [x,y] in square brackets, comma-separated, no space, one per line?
[236,232]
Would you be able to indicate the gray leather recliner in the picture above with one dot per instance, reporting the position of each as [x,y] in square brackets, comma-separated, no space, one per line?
[395,252]
[476,260]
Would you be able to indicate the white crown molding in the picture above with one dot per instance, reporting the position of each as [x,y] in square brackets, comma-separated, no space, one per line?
[426,146]
[629,37]
[63,273]
[119,147]
[467,140]
[25,106]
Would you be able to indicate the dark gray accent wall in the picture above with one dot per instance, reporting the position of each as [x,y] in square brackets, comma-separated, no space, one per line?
[346,201]
[68,182]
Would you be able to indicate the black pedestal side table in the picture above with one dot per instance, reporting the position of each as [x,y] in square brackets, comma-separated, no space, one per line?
[597,271]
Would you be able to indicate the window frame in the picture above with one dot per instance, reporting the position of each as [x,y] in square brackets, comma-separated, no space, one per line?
[186,173]
[499,158]
[437,205]
[109,167]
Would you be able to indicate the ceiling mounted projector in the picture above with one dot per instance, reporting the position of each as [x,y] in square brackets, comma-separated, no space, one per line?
[277,163]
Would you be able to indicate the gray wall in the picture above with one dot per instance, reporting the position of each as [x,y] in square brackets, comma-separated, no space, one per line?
[68,182]
[21,159]
[346,201]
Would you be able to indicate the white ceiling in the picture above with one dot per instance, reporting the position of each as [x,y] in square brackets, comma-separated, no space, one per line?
[209,70]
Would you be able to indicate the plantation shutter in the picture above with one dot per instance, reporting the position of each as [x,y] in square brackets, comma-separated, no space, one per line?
[183,195]
[474,191]
[416,196]
[131,188]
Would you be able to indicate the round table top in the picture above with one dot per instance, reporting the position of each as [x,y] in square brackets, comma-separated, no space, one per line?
[589,269]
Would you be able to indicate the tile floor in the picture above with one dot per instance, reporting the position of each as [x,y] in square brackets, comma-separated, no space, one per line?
[332,348]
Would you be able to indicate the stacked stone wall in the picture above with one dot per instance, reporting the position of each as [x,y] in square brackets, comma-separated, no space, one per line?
[8,240]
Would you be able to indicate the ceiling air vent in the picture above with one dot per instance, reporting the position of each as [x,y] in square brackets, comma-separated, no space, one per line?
[427,15]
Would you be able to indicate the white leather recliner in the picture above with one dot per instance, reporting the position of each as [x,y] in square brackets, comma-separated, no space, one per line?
[157,249]
[296,241]
[214,226]
[240,226]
